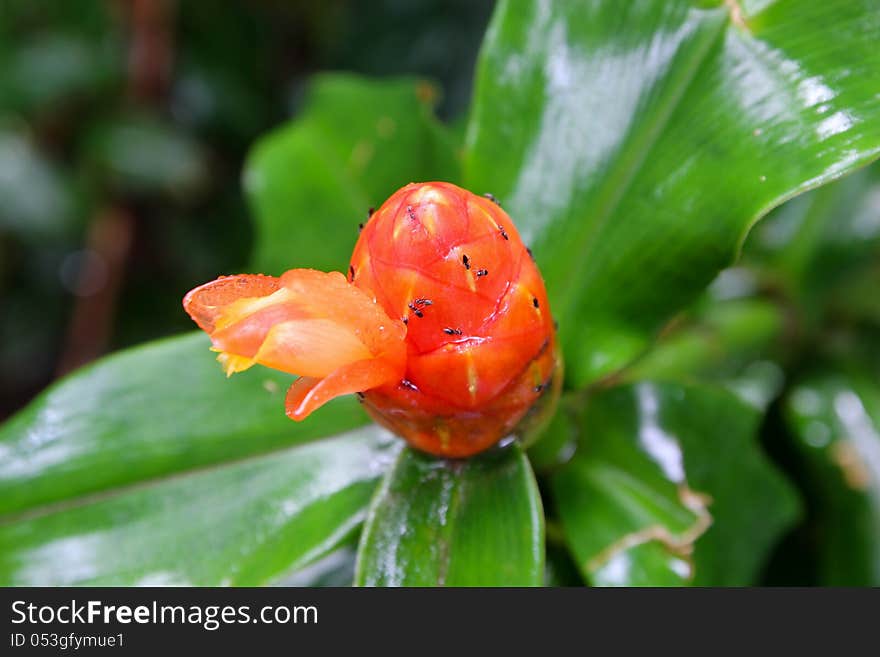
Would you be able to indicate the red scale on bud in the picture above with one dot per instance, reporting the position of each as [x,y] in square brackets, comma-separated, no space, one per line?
[443,323]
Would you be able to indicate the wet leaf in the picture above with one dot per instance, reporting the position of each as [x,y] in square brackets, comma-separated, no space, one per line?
[454,523]
[356,141]
[666,486]
[241,523]
[144,413]
[635,144]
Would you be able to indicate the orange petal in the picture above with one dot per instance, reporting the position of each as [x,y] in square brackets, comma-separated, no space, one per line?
[308,323]
[319,294]
[207,302]
[308,393]
[311,347]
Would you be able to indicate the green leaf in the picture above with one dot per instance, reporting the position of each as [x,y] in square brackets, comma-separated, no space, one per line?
[355,142]
[147,412]
[239,524]
[664,489]
[635,143]
[455,523]
[835,420]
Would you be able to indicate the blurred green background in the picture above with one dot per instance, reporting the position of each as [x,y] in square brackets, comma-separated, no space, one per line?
[123,129]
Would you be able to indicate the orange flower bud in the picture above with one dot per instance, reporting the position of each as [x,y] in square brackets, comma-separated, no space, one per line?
[443,325]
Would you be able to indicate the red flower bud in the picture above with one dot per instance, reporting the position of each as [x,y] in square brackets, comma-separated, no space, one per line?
[443,325]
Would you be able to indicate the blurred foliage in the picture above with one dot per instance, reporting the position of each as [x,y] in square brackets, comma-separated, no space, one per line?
[81,132]
[721,421]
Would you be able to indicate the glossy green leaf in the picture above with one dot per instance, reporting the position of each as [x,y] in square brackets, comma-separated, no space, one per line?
[238,524]
[147,412]
[669,487]
[635,143]
[835,420]
[454,523]
[356,141]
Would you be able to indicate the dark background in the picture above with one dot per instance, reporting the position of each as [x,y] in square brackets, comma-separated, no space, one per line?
[123,129]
